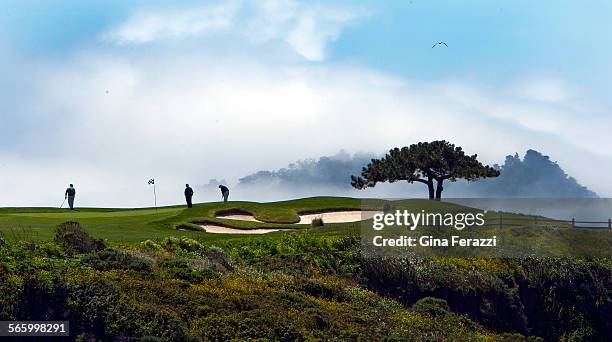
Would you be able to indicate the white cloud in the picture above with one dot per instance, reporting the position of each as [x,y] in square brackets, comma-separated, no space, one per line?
[313,31]
[544,90]
[108,120]
[306,29]
[204,117]
[148,26]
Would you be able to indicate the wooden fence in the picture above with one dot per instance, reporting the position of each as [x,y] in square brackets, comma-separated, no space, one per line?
[502,221]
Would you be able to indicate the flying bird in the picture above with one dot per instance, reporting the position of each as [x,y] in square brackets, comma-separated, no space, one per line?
[439,43]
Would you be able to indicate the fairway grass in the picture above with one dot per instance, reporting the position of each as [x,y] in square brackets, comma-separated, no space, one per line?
[128,226]
[135,225]
[83,214]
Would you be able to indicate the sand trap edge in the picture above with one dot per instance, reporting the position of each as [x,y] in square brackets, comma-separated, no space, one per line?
[218,229]
[338,216]
[236,214]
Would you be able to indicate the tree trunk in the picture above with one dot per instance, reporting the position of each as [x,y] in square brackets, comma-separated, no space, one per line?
[439,189]
[430,186]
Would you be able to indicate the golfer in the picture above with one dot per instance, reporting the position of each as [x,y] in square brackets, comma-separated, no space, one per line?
[188,195]
[224,192]
[69,194]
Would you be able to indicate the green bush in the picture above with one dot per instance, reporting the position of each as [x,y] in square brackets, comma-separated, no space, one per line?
[151,246]
[190,245]
[317,222]
[218,258]
[50,249]
[430,306]
[111,258]
[303,287]
[73,239]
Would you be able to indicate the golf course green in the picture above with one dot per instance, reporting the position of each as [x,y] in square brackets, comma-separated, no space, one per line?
[132,226]
[135,225]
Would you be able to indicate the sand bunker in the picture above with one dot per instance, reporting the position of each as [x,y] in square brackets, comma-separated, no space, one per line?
[215,229]
[236,214]
[240,217]
[328,217]
[338,216]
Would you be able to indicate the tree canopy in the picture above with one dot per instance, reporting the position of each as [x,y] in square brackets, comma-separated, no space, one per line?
[425,163]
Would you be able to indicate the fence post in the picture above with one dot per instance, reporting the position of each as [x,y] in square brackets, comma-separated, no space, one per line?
[500,220]
[573,222]
[609,223]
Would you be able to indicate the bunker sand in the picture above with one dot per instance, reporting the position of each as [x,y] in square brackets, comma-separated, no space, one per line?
[215,229]
[338,216]
[240,217]
[328,217]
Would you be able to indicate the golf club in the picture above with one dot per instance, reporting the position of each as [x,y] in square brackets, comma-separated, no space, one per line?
[63,203]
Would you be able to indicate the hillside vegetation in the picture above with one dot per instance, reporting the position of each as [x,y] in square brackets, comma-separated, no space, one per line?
[131,275]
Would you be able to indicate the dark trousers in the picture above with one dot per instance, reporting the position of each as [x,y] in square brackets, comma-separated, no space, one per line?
[188,199]
[225,196]
[71,202]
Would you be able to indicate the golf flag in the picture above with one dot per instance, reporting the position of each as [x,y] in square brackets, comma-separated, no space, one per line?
[152,182]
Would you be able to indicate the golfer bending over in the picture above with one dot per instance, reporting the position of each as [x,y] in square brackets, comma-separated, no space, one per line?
[69,194]
[188,195]
[224,192]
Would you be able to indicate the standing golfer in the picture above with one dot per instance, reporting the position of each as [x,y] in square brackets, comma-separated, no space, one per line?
[224,192]
[188,195]
[69,194]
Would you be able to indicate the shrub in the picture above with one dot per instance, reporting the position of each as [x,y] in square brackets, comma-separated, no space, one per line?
[188,244]
[73,239]
[324,287]
[151,339]
[173,244]
[50,249]
[111,258]
[173,262]
[317,222]
[387,207]
[151,246]
[430,306]
[218,258]
[181,268]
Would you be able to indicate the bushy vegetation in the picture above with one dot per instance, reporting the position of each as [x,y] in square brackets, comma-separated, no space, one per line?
[317,222]
[112,258]
[434,307]
[552,298]
[73,239]
[301,285]
[298,287]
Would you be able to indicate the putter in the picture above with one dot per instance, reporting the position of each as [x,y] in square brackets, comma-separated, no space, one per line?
[63,203]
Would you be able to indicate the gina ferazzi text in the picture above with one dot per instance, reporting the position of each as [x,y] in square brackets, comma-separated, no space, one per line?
[430,241]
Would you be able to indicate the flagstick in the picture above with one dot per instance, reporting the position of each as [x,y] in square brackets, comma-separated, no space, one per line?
[155,196]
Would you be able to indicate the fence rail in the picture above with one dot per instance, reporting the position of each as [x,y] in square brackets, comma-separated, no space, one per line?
[502,221]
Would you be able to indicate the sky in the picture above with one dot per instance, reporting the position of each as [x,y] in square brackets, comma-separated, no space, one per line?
[107,94]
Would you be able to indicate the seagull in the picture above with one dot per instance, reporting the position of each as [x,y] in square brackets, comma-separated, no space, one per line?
[439,43]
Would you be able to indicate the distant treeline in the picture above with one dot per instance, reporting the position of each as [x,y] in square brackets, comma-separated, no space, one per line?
[533,176]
